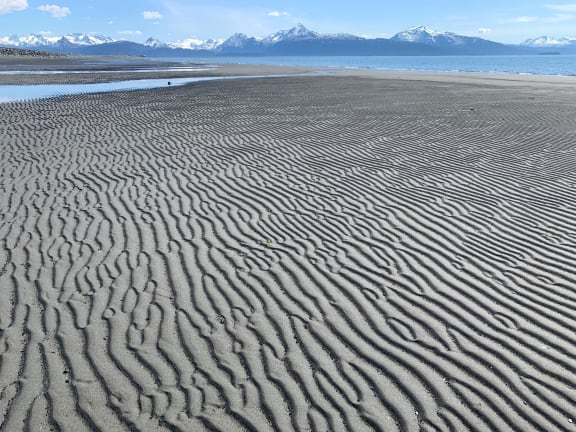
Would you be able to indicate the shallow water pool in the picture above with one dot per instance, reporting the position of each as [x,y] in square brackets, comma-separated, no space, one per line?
[12,93]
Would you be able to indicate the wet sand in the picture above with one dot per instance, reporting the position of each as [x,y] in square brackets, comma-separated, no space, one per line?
[351,252]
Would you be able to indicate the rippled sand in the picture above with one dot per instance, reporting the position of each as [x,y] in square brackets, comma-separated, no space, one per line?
[329,253]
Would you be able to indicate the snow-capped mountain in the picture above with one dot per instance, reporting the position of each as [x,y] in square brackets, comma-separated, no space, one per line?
[190,44]
[452,43]
[43,41]
[296,33]
[240,43]
[197,44]
[419,34]
[427,36]
[549,42]
[154,43]
[87,39]
[238,40]
[31,40]
[299,33]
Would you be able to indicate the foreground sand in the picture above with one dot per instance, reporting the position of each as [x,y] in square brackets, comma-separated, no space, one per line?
[333,253]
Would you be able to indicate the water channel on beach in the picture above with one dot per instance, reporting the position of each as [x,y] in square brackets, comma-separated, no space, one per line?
[12,93]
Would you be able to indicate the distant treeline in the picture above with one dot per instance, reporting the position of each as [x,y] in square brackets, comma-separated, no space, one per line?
[27,53]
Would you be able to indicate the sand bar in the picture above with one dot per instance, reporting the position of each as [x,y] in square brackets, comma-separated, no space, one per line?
[357,251]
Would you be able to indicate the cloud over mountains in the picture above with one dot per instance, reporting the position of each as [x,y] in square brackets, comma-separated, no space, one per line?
[55,10]
[152,15]
[7,6]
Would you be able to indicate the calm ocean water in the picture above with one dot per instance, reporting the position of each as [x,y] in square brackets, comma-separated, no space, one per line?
[532,64]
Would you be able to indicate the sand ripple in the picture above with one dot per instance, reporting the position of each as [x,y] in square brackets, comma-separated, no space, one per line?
[308,254]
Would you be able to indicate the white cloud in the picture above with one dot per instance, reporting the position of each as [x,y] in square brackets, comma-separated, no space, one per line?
[483,30]
[523,19]
[152,15]
[562,7]
[55,11]
[12,5]
[278,13]
[130,32]
[560,18]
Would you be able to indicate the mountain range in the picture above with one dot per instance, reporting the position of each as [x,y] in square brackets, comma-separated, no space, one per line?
[295,41]
[550,42]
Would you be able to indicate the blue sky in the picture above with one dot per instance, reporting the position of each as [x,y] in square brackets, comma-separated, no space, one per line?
[510,21]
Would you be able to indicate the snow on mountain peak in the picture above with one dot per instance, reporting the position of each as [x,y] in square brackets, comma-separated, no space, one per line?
[87,39]
[419,34]
[298,32]
[236,40]
[197,44]
[422,29]
[549,42]
[39,40]
[427,36]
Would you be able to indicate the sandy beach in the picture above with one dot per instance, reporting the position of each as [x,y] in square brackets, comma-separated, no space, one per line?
[353,251]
